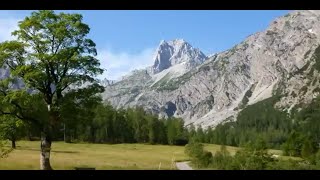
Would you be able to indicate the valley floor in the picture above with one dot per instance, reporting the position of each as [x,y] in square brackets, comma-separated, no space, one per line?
[101,156]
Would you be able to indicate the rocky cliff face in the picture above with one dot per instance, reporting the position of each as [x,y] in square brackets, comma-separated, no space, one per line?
[176,52]
[207,91]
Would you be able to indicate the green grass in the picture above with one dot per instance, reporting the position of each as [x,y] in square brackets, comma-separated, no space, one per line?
[102,156]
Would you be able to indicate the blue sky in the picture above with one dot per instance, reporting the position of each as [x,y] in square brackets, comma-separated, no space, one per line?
[127,39]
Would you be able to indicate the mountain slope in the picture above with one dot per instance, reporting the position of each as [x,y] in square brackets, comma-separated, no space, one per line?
[264,63]
[172,59]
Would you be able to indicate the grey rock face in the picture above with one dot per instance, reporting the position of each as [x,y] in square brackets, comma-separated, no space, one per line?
[220,86]
[175,52]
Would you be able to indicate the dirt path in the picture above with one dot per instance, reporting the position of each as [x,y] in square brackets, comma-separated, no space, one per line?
[183,165]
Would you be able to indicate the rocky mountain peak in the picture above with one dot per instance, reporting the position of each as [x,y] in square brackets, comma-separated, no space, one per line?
[176,52]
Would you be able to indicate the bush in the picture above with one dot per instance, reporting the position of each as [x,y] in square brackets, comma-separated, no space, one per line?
[3,151]
[194,150]
[293,145]
[308,148]
[254,156]
[205,159]
[222,159]
[251,160]
[198,155]
[317,159]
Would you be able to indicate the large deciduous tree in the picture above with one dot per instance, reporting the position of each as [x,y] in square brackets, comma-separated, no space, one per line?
[56,61]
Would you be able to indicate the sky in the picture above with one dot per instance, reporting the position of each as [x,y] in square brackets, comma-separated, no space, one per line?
[126,39]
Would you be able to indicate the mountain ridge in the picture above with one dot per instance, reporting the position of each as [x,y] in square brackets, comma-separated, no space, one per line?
[225,83]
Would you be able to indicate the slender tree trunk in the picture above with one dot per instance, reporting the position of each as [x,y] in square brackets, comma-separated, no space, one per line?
[45,152]
[92,133]
[66,134]
[13,143]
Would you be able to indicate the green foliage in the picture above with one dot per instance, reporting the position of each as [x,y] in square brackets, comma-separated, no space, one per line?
[291,165]
[253,157]
[198,155]
[194,150]
[251,160]
[99,123]
[317,160]
[270,124]
[200,135]
[175,132]
[3,151]
[308,120]
[51,53]
[222,159]
[308,148]
[293,145]
[11,128]
[258,145]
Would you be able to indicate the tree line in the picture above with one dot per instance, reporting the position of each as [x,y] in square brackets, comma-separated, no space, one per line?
[104,124]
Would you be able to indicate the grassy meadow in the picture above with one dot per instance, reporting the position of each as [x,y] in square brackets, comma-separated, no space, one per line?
[101,156]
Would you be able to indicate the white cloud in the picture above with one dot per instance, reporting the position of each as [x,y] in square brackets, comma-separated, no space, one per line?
[7,26]
[120,64]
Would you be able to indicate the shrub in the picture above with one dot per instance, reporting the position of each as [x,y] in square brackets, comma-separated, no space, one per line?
[198,155]
[205,159]
[308,148]
[222,159]
[251,160]
[3,151]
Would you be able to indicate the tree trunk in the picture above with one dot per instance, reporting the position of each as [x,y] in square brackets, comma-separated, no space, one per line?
[30,137]
[93,133]
[45,153]
[66,135]
[13,143]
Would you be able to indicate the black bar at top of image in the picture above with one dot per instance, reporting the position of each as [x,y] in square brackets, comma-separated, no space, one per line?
[157,4]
